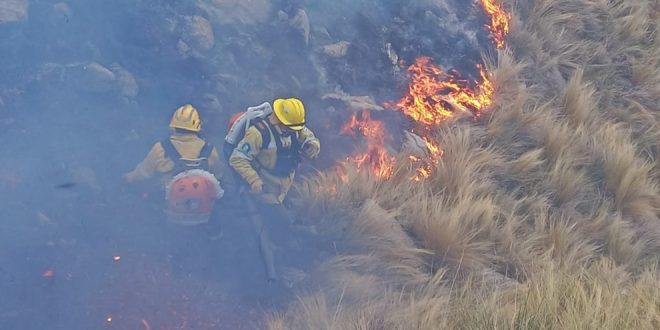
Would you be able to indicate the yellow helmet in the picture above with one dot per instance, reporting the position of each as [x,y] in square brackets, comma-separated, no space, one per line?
[291,112]
[186,117]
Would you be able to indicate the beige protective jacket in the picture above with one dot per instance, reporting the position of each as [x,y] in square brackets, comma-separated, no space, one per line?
[253,161]
[188,145]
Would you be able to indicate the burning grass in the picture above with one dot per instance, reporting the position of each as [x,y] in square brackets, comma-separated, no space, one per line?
[542,213]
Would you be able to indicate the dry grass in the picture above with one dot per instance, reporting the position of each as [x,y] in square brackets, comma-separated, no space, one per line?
[544,215]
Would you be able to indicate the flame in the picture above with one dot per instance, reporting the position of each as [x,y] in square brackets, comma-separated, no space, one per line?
[499,21]
[435,95]
[424,166]
[376,155]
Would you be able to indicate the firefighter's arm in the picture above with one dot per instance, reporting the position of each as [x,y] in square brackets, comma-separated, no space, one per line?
[311,146]
[155,160]
[214,163]
[244,153]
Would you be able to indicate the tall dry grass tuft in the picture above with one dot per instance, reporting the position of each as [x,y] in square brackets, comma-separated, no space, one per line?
[603,296]
[465,164]
[626,176]
[580,101]
[544,213]
[633,22]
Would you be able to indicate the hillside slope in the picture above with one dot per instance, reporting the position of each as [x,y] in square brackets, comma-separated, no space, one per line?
[542,214]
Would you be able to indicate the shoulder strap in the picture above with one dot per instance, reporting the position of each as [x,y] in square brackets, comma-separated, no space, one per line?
[170,150]
[206,150]
[263,128]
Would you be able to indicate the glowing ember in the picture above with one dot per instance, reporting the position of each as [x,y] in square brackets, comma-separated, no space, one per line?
[499,25]
[375,156]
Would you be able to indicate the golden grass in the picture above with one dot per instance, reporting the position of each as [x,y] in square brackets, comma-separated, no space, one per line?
[601,296]
[545,214]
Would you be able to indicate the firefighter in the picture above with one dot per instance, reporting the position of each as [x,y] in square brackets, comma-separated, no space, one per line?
[266,159]
[189,168]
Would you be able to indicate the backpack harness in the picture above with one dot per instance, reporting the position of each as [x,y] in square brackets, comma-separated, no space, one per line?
[182,164]
[287,158]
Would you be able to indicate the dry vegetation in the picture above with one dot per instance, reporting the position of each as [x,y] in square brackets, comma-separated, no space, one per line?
[545,214]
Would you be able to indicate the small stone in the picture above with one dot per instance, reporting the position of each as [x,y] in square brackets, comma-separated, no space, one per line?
[337,49]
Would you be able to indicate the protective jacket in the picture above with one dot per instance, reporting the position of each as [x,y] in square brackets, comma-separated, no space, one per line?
[264,154]
[188,146]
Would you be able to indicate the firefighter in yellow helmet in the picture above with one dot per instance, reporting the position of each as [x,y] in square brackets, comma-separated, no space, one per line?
[185,126]
[266,159]
[189,169]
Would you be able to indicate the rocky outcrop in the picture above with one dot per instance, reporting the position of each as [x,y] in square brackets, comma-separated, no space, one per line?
[198,33]
[90,77]
[235,11]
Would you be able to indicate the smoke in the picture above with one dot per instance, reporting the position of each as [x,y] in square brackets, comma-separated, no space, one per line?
[87,86]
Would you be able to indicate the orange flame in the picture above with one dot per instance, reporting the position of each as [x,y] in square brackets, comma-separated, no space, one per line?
[376,155]
[435,95]
[499,25]
[424,167]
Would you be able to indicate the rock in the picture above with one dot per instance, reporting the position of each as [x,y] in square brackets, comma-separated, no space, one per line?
[337,49]
[497,281]
[282,16]
[300,22]
[235,11]
[414,145]
[211,103]
[93,77]
[198,33]
[292,276]
[183,49]
[13,10]
[126,83]
[391,54]
[90,77]
[355,102]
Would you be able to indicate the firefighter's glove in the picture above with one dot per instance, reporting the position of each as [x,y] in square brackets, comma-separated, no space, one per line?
[257,186]
[312,148]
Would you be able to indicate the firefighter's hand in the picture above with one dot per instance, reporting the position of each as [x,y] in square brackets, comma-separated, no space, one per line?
[256,186]
[312,149]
